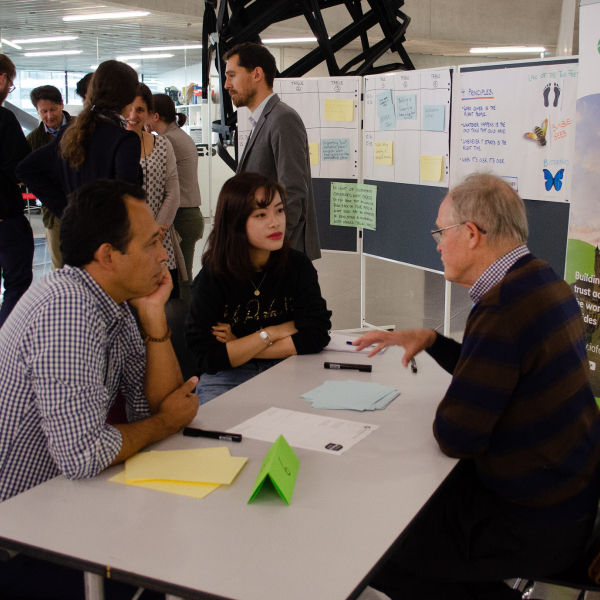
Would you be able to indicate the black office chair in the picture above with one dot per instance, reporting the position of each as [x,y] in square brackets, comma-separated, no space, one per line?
[575,577]
[176,311]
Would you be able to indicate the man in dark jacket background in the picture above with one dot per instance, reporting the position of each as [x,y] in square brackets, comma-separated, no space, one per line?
[48,102]
[16,236]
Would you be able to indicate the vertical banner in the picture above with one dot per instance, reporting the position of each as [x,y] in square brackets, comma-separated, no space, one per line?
[583,252]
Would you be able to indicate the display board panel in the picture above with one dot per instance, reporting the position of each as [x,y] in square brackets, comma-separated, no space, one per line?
[407,127]
[517,120]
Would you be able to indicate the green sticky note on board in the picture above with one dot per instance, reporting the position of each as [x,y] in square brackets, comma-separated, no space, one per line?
[280,466]
[353,205]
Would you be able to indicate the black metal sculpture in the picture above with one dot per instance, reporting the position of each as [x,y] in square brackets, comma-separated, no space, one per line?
[232,22]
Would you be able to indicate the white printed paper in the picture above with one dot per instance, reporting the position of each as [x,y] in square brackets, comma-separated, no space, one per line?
[304,430]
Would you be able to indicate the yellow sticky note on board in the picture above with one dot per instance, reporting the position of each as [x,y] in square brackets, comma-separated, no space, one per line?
[191,466]
[432,168]
[339,109]
[313,149]
[384,153]
[191,490]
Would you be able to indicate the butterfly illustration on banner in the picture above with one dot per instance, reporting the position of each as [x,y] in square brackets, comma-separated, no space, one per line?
[556,181]
[539,134]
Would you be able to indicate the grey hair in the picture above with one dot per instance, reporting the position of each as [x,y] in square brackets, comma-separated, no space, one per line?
[493,205]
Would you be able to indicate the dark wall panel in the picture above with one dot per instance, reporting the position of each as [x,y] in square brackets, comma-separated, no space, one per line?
[333,237]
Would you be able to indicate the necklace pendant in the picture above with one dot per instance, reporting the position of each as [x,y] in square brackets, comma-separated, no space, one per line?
[256,293]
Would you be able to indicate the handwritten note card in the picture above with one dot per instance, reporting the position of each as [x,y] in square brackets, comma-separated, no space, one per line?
[338,109]
[335,149]
[384,153]
[313,150]
[385,111]
[406,107]
[434,117]
[432,168]
[353,205]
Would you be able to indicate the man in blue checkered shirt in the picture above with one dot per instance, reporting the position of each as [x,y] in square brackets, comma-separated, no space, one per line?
[72,343]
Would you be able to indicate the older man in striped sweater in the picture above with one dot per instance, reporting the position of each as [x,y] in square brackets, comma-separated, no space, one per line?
[519,413]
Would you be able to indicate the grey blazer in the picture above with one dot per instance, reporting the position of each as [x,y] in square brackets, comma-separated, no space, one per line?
[278,149]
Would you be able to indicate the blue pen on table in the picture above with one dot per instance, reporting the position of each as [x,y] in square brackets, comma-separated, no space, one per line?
[352,344]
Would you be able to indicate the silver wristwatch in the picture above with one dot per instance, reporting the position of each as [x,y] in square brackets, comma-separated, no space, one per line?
[264,336]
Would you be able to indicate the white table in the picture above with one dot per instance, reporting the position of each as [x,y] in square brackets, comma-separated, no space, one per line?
[345,514]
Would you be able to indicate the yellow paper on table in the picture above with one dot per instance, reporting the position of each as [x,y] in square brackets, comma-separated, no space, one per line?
[432,168]
[195,466]
[313,149]
[338,109]
[191,490]
[384,153]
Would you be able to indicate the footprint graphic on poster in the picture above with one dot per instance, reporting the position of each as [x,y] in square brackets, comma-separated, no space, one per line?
[556,95]
[546,94]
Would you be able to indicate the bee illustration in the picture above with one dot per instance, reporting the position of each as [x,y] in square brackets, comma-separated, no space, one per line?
[539,134]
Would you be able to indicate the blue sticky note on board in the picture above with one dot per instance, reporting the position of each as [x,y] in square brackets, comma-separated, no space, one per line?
[335,149]
[385,111]
[406,107]
[434,117]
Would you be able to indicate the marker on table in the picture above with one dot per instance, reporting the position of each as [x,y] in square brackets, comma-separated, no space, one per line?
[364,368]
[215,435]
[413,365]
[352,344]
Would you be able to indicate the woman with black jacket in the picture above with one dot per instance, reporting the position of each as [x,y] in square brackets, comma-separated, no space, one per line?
[96,146]
[256,300]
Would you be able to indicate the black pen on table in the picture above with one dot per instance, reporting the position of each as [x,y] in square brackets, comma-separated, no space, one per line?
[413,365]
[215,435]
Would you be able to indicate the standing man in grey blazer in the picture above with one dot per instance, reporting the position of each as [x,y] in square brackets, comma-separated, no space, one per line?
[278,144]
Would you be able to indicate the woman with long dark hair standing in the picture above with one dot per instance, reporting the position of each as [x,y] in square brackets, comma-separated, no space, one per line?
[256,300]
[189,222]
[96,146]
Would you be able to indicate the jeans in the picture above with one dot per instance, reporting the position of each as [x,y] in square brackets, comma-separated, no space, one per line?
[211,386]
[189,224]
[16,261]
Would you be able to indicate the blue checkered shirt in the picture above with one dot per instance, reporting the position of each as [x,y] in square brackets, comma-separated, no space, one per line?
[65,351]
[495,273]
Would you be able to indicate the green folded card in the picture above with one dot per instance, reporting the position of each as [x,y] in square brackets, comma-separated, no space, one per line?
[280,466]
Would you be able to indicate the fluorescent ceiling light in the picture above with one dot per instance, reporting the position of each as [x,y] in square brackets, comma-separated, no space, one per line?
[53,53]
[11,44]
[155,48]
[114,15]
[517,49]
[143,56]
[60,38]
[133,65]
[93,67]
[289,40]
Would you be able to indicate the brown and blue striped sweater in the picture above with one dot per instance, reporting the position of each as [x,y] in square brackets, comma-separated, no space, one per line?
[520,402]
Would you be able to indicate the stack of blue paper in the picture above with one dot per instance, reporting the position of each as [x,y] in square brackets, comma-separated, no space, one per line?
[351,395]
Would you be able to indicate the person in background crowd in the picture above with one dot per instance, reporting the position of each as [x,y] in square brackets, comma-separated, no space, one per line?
[96,146]
[66,351]
[159,180]
[255,301]
[48,102]
[16,236]
[189,222]
[278,144]
[82,86]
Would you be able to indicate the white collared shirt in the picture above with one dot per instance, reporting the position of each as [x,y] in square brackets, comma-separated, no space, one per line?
[256,115]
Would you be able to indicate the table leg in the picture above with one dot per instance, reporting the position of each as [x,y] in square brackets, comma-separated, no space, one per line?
[94,586]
